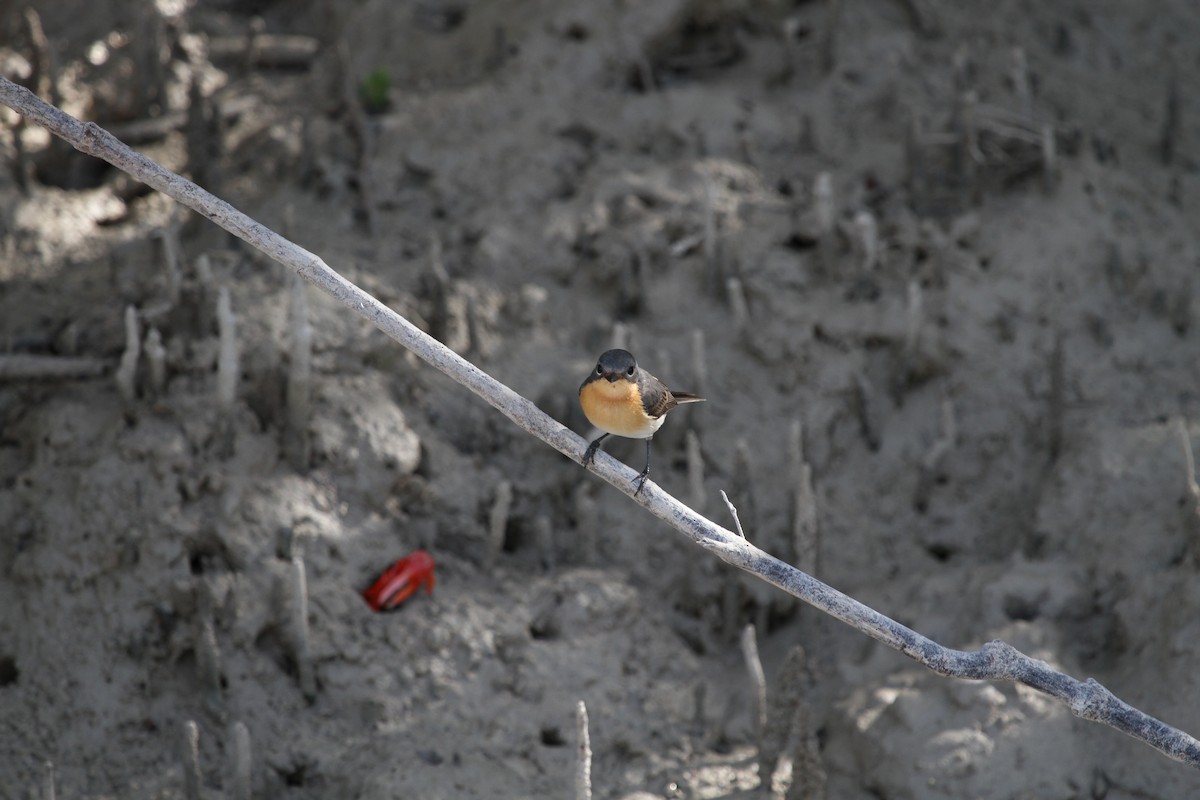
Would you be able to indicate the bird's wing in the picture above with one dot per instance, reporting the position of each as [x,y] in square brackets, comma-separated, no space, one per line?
[657,399]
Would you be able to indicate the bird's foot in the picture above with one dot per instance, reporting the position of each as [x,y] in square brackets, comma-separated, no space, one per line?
[589,455]
[640,482]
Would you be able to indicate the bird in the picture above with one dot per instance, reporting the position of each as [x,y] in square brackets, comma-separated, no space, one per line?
[622,399]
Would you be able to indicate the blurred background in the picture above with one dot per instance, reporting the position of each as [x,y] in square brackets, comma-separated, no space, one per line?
[931,263]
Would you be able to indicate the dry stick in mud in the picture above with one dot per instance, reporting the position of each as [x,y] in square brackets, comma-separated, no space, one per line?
[583,754]
[994,661]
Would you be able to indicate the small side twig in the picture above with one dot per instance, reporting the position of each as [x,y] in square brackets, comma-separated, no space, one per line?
[733,512]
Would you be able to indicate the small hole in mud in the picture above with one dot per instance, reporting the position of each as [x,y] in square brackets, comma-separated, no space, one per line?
[293,776]
[1020,609]
[552,737]
[543,629]
[635,78]
[514,537]
[799,242]
[64,168]
[207,557]
[940,552]
[8,671]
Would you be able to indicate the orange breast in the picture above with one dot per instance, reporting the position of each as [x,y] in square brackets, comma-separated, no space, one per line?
[616,408]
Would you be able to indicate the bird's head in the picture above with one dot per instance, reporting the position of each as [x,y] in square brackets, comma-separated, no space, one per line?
[615,365]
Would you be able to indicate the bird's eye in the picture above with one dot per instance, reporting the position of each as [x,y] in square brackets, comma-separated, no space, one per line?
[599,370]
[629,371]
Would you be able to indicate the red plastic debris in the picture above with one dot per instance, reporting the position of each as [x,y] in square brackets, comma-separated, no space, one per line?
[400,581]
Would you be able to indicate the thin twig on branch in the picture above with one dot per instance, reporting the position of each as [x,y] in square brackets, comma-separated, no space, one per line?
[994,661]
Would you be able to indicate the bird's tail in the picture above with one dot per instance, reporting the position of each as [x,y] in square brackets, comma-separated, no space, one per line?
[685,397]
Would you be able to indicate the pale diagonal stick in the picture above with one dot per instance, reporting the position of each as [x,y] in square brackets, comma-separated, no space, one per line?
[994,661]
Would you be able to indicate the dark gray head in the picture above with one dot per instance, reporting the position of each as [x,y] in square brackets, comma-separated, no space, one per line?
[616,364]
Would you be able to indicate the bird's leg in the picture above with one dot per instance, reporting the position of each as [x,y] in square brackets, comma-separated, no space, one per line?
[640,480]
[590,454]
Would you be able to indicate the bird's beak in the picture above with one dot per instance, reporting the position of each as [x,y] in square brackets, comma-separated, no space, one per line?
[611,377]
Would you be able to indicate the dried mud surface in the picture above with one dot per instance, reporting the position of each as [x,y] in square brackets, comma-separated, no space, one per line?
[990,410]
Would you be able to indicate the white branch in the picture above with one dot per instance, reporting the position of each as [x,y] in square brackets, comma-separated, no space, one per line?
[994,661]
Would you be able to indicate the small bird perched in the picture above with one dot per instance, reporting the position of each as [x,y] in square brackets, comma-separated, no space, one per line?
[621,398]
